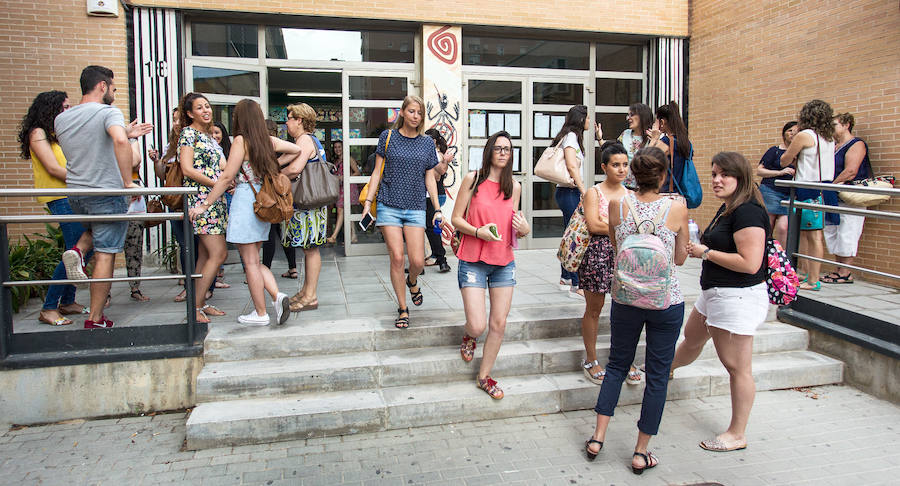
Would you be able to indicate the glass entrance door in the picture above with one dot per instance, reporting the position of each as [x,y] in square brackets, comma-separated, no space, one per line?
[371,104]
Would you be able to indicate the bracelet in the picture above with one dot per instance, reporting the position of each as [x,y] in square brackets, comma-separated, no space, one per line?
[438,211]
[476,232]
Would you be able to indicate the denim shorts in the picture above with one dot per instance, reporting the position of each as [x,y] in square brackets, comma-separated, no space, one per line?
[773,198]
[483,275]
[109,236]
[391,216]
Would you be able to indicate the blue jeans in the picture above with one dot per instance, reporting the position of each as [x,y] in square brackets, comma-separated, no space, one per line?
[391,216]
[567,198]
[483,275]
[663,328]
[58,295]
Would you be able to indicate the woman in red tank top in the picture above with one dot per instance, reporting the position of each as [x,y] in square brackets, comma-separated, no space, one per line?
[486,217]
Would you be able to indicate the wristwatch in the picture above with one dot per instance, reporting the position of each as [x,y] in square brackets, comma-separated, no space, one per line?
[705,255]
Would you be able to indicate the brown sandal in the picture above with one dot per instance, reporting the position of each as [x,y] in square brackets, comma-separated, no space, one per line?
[212,310]
[489,385]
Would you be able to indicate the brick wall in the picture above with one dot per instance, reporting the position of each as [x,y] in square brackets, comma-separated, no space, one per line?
[657,17]
[44,46]
[754,64]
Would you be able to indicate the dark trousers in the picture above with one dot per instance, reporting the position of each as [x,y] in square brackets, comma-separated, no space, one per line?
[274,242]
[567,198]
[178,233]
[434,239]
[663,328]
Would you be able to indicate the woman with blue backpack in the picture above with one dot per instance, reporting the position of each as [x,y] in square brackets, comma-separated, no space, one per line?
[651,236]
[734,299]
[670,134]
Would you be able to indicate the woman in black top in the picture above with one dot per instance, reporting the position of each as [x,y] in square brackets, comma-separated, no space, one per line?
[770,170]
[734,300]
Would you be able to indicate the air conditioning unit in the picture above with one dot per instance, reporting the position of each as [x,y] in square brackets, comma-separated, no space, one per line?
[103,8]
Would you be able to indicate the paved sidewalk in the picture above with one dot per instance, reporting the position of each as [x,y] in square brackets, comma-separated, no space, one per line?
[831,435]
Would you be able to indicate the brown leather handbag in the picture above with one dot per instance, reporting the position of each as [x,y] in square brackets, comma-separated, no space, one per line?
[174,178]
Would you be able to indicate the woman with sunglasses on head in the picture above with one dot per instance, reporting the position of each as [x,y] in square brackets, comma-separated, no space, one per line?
[486,214]
[37,141]
[635,137]
[407,157]
[252,157]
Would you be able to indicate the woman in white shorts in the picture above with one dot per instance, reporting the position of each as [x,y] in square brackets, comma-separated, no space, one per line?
[734,301]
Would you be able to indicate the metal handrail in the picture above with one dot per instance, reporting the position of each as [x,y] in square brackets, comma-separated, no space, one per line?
[827,186]
[25,283]
[842,209]
[852,267]
[6,320]
[71,218]
[137,191]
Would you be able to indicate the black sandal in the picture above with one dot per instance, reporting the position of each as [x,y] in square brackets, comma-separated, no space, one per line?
[587,448]
[402,322]
[648,457]
[138,296]
[417,295]
[836,278]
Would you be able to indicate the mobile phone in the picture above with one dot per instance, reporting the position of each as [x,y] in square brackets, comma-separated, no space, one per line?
[366,222]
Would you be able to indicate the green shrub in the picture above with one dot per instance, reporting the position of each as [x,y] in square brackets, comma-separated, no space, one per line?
[34,259]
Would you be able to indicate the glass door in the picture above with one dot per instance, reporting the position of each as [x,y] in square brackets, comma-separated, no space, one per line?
[549,99]
[371,104]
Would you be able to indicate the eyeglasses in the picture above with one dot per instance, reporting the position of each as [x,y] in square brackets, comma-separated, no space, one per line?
[629,115]
[502,150]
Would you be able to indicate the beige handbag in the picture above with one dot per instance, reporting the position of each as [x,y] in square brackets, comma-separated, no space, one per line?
[552,166]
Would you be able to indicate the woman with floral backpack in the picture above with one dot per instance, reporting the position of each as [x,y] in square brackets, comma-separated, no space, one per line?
[651,234]
[734,299]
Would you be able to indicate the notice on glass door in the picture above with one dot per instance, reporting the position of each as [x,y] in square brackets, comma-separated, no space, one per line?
[556,124]
[513,124]
[495,123]
[476,124]
[541,125]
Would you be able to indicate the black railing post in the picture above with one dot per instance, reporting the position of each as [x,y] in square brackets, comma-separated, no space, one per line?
[188,265]
[793,236]
[6,322]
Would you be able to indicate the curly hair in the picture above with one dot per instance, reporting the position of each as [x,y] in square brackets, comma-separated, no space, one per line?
[818,116]
[43,110]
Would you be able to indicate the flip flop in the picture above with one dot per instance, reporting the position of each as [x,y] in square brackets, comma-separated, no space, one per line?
[301,305]
[836,278]
[222,285]
[66,312]
[62,321]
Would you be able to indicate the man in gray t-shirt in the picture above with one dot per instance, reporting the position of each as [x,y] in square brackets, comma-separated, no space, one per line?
[94,139]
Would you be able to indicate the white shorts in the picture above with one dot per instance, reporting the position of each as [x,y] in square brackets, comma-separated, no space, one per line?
[843,239]
[738,310]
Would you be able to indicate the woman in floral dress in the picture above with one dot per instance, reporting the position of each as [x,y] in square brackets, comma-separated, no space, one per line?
[202,163]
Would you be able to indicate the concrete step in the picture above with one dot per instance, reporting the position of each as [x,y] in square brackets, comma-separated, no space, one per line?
[235,342]
[232,380]
[318,414]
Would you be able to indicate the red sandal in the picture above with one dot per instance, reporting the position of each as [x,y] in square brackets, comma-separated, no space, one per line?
[467,348]
[489,385]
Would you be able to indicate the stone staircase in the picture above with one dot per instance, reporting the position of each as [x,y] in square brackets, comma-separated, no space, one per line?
[361,375]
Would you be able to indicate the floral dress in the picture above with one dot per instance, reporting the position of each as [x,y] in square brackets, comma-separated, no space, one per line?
[596,270]
[206,160]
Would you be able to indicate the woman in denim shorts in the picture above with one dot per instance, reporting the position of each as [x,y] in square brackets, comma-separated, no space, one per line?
[770,170]
[404,170]
[486,217]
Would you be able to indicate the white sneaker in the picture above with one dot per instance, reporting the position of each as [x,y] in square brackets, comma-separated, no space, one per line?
[74,265]
[254,319]
[565,283]
[282,308]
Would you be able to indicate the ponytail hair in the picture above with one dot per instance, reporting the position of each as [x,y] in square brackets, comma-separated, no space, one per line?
[672,115]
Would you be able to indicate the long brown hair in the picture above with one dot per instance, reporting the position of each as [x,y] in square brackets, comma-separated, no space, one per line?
[735,165]
[249,123]
[672,115]
[487,162]
[184,106]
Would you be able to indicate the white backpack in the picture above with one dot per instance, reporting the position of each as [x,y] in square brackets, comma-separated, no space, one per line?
[643,274]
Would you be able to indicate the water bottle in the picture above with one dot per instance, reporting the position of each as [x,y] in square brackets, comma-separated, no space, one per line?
[694,231]
[437,226]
